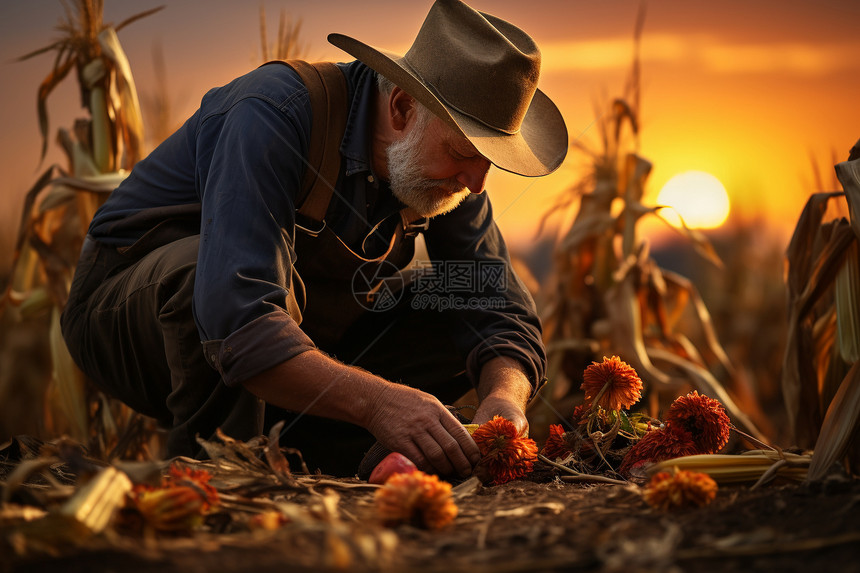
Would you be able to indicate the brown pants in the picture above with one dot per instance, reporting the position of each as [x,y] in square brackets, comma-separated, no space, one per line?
[128,325]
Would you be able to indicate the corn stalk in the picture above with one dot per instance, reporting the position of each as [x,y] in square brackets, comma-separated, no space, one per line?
[610,297]
[821,376]
[56,213]
[287,44]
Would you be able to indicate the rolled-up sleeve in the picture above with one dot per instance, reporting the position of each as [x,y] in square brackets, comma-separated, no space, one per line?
[248,351]
[250,164]
[505,322]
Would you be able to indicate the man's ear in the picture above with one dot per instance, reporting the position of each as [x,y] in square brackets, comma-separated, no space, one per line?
[401,107]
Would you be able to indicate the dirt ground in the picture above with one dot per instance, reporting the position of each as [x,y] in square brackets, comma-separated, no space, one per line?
[539,524]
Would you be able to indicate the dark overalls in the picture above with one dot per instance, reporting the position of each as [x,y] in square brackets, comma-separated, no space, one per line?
[128,324]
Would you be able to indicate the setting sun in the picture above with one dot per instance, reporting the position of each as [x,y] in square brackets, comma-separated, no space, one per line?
[697,197]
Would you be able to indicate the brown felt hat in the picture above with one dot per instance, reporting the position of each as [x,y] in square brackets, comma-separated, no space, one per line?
[479,74]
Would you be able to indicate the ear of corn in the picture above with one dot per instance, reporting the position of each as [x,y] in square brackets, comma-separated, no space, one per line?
[94,504]
[68,383]
[747,467]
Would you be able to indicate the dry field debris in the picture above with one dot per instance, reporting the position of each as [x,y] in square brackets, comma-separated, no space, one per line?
[63,509]
[256,503]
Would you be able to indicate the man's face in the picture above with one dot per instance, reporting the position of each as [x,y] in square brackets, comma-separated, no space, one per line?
[432,169]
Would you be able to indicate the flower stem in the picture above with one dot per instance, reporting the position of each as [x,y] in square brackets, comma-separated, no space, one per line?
[574,475]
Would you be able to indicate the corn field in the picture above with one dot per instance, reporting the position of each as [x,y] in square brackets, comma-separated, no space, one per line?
[83,480]
[100,150]
[607,295]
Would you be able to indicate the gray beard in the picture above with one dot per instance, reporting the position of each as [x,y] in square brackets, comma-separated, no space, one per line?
[427,197]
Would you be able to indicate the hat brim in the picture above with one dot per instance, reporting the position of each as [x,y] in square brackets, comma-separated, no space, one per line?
[538,148]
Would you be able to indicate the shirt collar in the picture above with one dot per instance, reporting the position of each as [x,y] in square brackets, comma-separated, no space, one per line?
[355,146]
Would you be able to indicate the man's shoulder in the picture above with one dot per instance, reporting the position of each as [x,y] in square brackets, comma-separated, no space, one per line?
[274,82]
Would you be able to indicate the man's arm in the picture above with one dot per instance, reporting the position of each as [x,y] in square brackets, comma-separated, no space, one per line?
[403,419]
[504,390]
[506,359]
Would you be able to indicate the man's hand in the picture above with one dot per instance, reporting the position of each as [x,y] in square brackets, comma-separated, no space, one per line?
[418,426]
[403,419]
[503,390]
[499,406]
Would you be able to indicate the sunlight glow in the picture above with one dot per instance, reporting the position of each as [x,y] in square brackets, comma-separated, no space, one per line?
[698,197]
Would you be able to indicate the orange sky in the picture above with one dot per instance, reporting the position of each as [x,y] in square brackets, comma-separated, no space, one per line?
[751,92]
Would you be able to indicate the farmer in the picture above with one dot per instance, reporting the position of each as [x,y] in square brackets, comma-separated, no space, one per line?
[209,294]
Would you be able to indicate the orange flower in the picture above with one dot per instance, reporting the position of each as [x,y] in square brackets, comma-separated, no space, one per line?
[415,498]
[172,508]
[704,418]
[181,501]
[505,455]
[656,446]
[579,415]
[680,488]
[555,446]
[613,383]
[195,479]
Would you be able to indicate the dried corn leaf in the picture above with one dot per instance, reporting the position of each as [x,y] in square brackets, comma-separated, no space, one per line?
[596,225]
[684,287]
[622,307]
[815,255]
[12,514]
[68,382]
[848,306]
[51,81]
[127,110]
[234,452]
[848,173]
[705,383]
[39,301]
[27,210]
[841,424]
[100,183]
[279,464]
[23,471]
[57,197]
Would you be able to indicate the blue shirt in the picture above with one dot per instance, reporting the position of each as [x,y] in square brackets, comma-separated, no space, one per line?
[232,173]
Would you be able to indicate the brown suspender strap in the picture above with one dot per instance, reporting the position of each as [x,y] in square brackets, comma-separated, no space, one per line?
[327,90]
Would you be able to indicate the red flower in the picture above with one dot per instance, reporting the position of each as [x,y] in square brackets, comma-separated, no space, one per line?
[703,418]
[555,446]
[505,455]
[656,446]
[415,498]
[613,383]
[680,488]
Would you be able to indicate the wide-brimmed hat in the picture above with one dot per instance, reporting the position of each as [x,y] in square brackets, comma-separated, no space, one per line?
[479,74]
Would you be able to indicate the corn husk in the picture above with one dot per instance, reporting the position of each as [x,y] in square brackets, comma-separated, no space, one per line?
[749,466]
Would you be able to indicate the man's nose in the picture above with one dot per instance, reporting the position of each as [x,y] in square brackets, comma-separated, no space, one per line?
[474,175]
